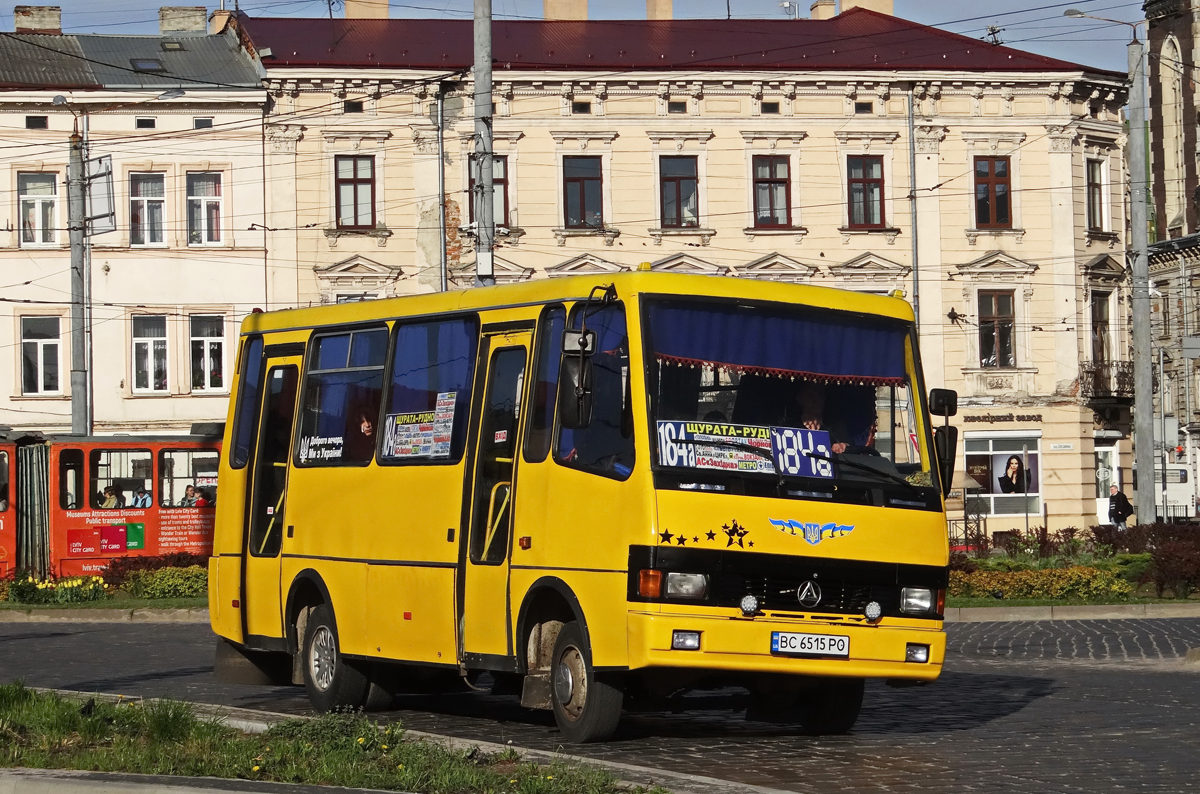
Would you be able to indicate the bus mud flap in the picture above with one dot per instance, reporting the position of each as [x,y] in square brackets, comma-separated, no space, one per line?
[535,692]
[235,665]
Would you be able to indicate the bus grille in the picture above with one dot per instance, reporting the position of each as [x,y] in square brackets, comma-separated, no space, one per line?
[779,593]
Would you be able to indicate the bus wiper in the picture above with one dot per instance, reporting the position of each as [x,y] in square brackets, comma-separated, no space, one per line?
[854,465]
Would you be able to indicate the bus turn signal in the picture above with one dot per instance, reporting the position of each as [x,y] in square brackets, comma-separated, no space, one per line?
[650,584]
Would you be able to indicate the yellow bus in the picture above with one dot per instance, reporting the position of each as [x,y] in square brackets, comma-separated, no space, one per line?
[602,494]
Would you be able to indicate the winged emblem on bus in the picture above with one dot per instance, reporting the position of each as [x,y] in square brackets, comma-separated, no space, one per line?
[812,532]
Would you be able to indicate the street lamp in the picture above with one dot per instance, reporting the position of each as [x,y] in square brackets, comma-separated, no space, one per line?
[1143,364]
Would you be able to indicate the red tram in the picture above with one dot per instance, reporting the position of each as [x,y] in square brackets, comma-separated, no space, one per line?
[71,504]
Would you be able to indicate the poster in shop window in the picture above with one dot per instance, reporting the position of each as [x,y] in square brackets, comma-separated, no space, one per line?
[1004,473]
[424,434]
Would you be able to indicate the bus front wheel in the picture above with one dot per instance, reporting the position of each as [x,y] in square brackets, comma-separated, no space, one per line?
[330,680]
[586,708]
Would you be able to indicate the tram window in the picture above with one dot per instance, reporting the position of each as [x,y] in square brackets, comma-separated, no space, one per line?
[3,481]
[340,415]
[70,479]
[245,428]
[606,445]
[121,478]
[187,477]
[545,384]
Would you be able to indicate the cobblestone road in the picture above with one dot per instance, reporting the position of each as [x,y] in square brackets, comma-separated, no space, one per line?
[1078,706]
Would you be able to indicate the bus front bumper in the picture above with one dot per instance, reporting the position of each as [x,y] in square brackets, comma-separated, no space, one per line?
[745,645]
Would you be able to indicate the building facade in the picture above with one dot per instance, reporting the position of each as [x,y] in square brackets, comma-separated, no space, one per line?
[177,265]
[777,150]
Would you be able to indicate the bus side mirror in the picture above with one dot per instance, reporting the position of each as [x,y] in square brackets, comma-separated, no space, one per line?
[579,342]
[943,402]
[575,392]
[945,443]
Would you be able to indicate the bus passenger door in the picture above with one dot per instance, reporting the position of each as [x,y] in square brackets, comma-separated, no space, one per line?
[261,599]
[486,628]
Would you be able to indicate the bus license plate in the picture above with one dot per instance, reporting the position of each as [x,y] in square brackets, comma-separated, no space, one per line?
[810,644]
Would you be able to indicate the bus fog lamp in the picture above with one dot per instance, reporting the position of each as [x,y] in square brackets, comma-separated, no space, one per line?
[686,585]
[873,611]
[916,600]
[749,605]
[685,640]
[916,653]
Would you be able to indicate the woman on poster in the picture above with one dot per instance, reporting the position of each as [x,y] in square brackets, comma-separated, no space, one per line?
[1014,479]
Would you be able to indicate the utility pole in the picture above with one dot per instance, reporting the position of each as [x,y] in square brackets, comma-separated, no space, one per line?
[443,279]
[75,223]
[1143,363]
[485,223]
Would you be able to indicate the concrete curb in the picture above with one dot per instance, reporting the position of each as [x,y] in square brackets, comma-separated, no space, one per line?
[1100,612]
[252,721]
[65,781]
[104,615]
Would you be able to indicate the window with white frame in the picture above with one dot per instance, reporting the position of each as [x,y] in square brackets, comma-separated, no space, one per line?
[38,195]
[1005,474]
[1097,220]
[41,351]
[204,208]
[207,352]
[150,353]
[147,200]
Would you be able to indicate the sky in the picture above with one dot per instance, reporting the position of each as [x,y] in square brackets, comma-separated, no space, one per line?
[1034,25]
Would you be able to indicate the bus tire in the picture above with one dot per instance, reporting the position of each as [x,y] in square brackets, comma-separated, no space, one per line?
[332,683]
[833,707]
[586,708]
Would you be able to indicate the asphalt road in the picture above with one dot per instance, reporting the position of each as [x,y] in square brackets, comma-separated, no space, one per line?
[1087,706]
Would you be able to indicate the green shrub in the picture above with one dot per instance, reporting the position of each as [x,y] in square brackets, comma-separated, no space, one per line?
[120,568]
[1175,566]
[191,582]
[69,590]
[1087,584]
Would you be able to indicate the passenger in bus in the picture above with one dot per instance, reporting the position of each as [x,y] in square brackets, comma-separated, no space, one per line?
[141,498]
[189,497]
[202,498]
[360,438]
[112,499]
[810,398]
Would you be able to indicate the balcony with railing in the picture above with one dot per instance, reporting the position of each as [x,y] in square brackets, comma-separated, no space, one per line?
[1106,381]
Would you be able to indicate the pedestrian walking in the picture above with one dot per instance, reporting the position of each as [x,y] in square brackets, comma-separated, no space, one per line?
[1119,508]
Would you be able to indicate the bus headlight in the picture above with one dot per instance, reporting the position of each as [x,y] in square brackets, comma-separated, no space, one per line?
[686,585]
[916,600]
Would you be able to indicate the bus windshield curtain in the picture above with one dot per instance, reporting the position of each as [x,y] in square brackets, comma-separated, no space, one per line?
[754,342]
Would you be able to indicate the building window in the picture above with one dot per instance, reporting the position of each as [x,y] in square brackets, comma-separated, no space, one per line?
[38,197]
[352,106]
[679,186]
[992,193]
[1095,196]
[40,351]
[772,192]
[202,123]
[861,108]
[677,107]
[581,108]
[770,108]
[145,123]
[1161,305]
[582,193]
[37,122]
[1100,330]
[499,191]
[865,188]
[1005,475]
[355,178]
[997,316]
[208,352]
[204,208]
[146,192]
[149,352]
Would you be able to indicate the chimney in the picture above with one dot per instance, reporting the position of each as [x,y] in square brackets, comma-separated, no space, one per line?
[38,19]
[182,19]
[564,9]
[218,20]
[366,9]
[658,9]
[823,9]
[882,6]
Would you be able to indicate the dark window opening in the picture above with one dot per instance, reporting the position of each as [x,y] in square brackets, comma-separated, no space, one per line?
[677,107]
[70,479]
[865,190]
[202,123]
[146,65]
[581,107]
[679,188]
[1095,195]
[992,193]
[770,108]
[545,386]
[772,192]
[582,195]
[37,122]
[352,106]
[145,123]
[864,107]
[997,316]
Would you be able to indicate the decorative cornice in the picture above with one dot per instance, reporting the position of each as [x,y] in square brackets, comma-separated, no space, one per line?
[867,138]
[283,137]
[680,137]
[774,136]
[585,137]
[1061,137]
[993,140]
[929,137]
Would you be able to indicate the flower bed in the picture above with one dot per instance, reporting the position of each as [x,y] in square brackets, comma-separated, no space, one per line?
[69,590]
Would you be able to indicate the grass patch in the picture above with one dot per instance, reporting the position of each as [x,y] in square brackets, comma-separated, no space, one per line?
[167,738]
[117,603]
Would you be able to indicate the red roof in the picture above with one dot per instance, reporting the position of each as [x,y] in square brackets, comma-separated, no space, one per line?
[857,39]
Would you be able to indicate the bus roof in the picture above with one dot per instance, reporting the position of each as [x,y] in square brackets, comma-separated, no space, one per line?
[577,288]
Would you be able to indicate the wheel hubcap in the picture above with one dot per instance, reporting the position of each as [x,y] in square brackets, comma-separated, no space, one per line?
[570,683]
[322,657]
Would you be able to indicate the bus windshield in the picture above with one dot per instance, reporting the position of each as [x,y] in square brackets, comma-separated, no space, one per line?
[788,394]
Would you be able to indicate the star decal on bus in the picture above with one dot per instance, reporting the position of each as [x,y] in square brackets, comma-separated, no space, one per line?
[665,536]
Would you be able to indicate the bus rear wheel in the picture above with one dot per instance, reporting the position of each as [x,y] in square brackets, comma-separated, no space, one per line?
[586,708]
[331,681]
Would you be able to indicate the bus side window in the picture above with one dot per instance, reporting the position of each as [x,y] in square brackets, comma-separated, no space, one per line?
[70,479]
[606,445]
[545,384]
[339,420]
[3,481]
[245,424]
[122,478]
[187,477]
